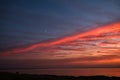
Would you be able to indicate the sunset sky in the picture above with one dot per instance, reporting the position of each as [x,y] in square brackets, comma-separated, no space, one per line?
[59,33]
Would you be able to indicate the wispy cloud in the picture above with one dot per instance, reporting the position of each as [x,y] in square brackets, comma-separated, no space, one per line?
[101,37]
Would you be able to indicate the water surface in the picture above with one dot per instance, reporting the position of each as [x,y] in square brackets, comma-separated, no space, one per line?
[71,72]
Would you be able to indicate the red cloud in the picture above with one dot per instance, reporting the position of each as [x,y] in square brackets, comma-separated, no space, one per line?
[110,28]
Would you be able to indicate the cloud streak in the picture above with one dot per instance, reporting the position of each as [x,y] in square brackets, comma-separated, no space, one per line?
[109,29]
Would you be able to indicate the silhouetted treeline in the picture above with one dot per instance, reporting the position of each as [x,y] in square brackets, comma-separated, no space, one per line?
[18,76]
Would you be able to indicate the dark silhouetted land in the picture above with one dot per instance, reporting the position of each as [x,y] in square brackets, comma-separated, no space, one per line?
[18,76]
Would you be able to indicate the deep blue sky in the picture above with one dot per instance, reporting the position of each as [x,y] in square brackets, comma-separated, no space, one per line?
[23,22]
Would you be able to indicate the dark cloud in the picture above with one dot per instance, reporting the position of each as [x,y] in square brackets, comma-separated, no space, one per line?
[59,63]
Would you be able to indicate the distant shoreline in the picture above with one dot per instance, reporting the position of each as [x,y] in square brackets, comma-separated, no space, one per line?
[19,76]
[69,72]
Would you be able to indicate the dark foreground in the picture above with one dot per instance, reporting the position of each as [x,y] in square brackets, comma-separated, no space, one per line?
[17,76]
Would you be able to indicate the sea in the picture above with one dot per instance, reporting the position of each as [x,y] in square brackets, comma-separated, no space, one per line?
[69,72]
